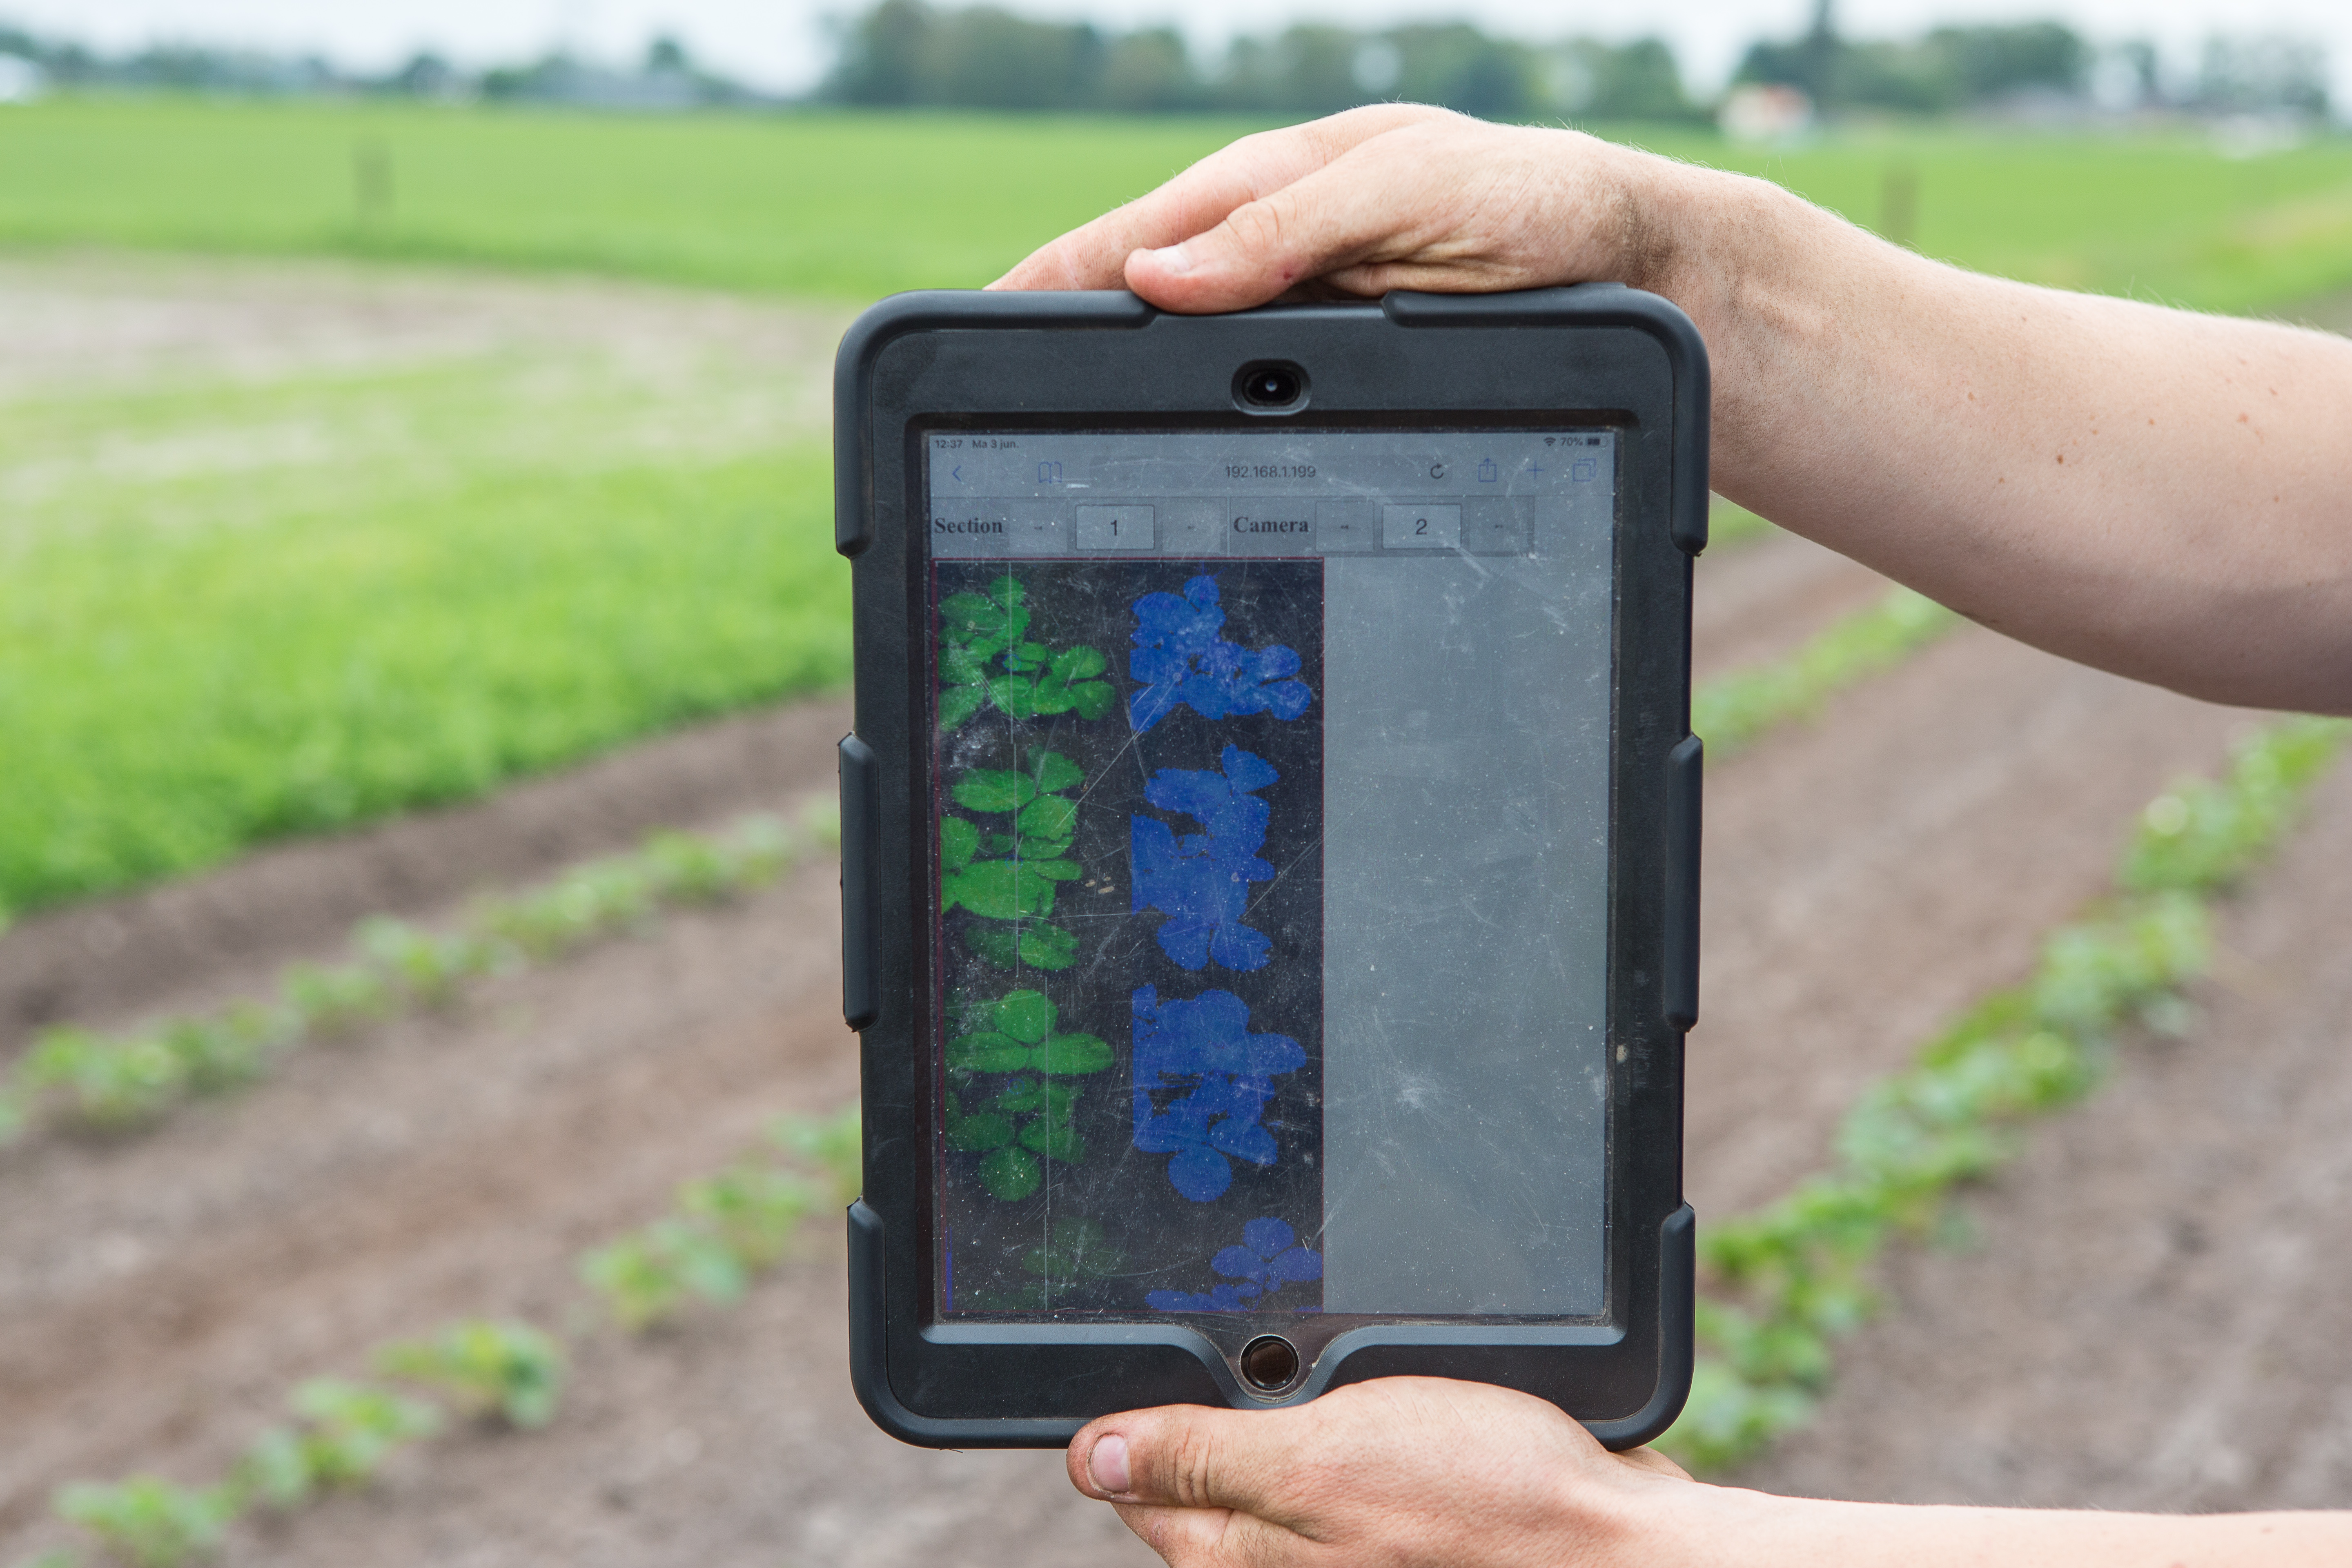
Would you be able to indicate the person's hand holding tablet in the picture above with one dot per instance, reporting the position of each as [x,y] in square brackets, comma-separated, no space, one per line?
[2153,492]
[2150,491]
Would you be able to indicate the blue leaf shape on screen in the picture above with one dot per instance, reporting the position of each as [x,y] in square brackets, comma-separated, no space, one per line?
[1268,1258]
[1183,660]
[1201,881]
[1205,1047]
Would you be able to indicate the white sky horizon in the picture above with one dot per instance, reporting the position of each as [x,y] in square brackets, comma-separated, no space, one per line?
[785,45]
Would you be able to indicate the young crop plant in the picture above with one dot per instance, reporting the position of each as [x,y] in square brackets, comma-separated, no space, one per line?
[1028,1120]
[342,1433]
[151,1522]
[1785,1283]
[987,661]
[1008,874]
[834,1144]
[724,1229]
[489,1367]
[117,1082]
[1732,711]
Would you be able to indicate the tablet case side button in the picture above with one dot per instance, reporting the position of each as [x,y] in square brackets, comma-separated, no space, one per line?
[860,808]
[1685,767]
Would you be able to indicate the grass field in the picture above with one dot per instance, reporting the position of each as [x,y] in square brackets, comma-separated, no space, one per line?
[235,606]
[856,206]
[232,607]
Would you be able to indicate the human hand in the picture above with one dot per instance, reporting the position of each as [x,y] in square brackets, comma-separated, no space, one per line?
[1397,1471]
[1389,196]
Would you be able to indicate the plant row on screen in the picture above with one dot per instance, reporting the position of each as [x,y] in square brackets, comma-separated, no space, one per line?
[722,1232]
[79,1077]
[1781,1285]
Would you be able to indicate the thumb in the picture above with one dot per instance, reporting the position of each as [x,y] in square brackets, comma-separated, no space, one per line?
[1189,1455]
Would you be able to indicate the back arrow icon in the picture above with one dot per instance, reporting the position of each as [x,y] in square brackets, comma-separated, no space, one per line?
[956,473]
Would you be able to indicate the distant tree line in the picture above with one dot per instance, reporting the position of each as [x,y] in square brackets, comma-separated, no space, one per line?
[1959,67]
[906,52]
[666,76]
[911,53]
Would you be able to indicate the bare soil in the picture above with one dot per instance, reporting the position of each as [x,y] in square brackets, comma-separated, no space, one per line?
[1868,873]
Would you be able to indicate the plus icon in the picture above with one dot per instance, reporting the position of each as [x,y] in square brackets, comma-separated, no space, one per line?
[1534,467]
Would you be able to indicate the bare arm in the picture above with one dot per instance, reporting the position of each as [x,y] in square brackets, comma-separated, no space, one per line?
[1420,1472]
[2158,493]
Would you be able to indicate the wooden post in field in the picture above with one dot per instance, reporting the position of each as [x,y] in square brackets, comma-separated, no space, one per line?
[1898,205]
[371,185]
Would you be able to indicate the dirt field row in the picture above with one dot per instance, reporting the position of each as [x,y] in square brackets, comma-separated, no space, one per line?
[2144,1319]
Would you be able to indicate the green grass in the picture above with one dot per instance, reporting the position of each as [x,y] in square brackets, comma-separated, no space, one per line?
[844,206]
[2163,218]
[229,613]
[851,206]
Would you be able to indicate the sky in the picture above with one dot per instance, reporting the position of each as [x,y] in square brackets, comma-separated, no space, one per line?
[784,44]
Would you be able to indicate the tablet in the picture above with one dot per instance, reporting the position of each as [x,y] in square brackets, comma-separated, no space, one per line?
[1270,852]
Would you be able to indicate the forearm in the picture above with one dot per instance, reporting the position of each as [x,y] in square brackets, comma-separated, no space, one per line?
[2152,492]
[1717,1526]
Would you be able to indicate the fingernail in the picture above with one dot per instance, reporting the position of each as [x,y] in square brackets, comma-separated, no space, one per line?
[1177,259]
[1106,1465]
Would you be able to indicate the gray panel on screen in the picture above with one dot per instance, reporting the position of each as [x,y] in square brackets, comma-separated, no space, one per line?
[1466,939]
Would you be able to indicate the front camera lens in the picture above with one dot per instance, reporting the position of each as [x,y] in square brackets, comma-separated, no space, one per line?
[1271,385]
[1269,1361]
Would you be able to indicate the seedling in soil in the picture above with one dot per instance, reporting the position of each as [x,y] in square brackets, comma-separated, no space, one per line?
[646,1276]
[122,1081]
[108,1083]
[150,1522]
[986,660]
[350,1429]
[832,1144]
[431,966]
[505,1369]
[725,1228]
[323,1001]
[752,1212]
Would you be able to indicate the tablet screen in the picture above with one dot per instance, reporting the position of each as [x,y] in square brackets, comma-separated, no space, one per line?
[1271,783]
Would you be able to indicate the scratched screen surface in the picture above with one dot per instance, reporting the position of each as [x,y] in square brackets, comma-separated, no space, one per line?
[1271,801]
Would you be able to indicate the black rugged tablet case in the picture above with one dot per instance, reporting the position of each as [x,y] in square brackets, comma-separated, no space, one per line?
[1594,353]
